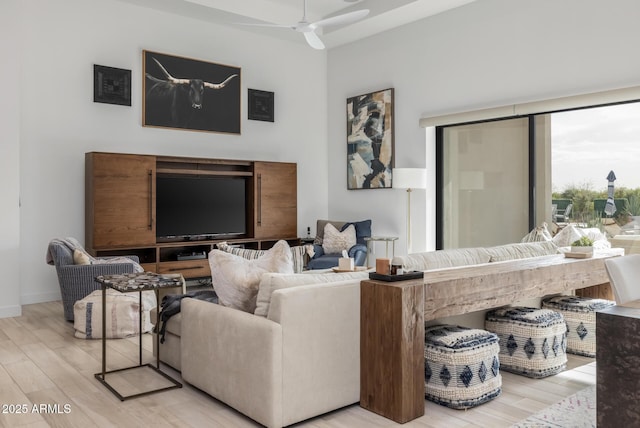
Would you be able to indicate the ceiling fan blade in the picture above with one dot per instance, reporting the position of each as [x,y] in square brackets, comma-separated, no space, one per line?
[266,25]
[313,40]
[346,18]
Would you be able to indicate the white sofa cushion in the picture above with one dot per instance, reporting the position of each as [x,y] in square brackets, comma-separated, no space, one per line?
[446,258]
[271,282]
[236,279]
[523,250]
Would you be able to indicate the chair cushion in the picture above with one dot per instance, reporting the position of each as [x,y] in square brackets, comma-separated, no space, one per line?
[335,241]
[236,279]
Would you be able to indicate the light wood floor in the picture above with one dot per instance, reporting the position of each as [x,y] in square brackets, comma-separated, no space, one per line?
[41,363]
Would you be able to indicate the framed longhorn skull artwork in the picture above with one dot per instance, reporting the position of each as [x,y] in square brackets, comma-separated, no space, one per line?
[183,93]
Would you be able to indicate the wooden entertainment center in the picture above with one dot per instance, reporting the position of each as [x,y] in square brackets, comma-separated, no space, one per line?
[120,208]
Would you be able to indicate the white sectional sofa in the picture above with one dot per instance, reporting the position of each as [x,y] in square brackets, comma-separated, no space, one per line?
[303,358]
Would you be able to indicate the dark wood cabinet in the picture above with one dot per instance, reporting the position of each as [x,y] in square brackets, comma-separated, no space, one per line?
[120,200]
[275,199]
[121,207]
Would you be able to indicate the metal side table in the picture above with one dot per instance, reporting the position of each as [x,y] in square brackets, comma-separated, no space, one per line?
[386,240]
[127,283]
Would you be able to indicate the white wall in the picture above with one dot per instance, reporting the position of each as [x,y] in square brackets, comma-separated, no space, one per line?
[488,53]
[60,122]
[10,160]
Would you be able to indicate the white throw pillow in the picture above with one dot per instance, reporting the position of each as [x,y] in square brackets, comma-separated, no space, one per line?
[236,279]
[81,258]
[334,241]
[297,252]
[118,260]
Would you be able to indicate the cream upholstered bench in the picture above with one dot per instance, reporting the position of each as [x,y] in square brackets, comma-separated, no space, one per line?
[580,316]
[462,368]
[532,341]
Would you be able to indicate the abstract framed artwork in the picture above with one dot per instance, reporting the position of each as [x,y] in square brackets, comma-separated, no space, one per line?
[260,105]
[370,145]
[184,93]
[111,85]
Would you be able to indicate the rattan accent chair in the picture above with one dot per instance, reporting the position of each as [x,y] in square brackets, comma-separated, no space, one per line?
[78,281]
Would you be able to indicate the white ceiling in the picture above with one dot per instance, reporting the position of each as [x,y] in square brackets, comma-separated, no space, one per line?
[384,14]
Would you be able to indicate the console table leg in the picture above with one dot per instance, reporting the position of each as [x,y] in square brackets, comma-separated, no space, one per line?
[392,348]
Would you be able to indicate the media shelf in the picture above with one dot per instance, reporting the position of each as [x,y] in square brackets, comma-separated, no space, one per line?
[166,257]
[120,211]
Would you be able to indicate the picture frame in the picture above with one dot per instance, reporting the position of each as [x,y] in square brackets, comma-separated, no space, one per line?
[260,105]
[370,140]
[190,94]
[111,85]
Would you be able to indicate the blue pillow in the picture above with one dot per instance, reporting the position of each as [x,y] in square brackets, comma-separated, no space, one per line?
[363,230]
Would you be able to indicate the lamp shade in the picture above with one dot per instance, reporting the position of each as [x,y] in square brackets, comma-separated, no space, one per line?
[409,178]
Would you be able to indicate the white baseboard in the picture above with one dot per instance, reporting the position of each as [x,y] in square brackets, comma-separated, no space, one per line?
[29,299]
[10,311]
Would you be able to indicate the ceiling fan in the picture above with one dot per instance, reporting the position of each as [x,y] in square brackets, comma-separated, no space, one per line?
[308,29]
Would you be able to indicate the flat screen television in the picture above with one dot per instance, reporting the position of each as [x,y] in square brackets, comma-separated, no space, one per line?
[189,207]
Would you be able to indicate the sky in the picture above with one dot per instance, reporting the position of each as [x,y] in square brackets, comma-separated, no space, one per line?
[587,144]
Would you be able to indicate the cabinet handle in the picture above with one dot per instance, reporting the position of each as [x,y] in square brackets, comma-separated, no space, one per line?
[150,199]
[259,199]
[184,268]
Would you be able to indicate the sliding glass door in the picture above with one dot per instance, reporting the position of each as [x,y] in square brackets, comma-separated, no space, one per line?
[485,194]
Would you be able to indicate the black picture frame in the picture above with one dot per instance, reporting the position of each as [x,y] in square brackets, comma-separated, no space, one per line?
[260,105]
[111,85]
[189,94]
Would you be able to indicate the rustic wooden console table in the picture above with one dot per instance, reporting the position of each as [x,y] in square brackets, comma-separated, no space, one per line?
[457,291]
[391,310]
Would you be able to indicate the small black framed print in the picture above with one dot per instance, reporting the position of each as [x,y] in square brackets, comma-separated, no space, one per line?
[111,85]
[260,105]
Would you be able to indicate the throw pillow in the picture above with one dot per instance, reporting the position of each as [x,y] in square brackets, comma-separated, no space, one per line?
[363,230]
[271,282]
[236,279]
[334,241]
[567,235]
[539,234]
[297,254]
[320,225]
[81,258]
[118,260]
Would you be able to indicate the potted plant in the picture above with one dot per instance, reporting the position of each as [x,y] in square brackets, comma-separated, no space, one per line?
[582,245]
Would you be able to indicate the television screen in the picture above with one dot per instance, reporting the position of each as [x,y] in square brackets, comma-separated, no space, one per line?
[200,206]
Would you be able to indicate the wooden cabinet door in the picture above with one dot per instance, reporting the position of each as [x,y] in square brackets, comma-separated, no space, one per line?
[120,205]
[275,200]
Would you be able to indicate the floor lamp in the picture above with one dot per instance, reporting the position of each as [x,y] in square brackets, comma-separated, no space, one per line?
[409,179]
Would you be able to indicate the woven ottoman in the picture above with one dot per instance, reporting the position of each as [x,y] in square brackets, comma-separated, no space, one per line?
[580,316]
[532,341]
[462,368]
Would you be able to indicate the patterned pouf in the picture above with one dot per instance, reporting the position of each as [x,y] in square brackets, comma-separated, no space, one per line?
[580,315]
[462,368]
[532,341]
